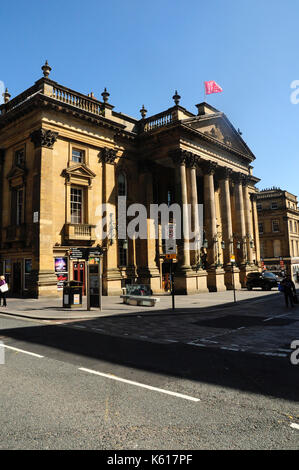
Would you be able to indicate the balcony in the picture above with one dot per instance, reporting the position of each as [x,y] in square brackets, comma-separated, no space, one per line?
[82,232]
[16,233]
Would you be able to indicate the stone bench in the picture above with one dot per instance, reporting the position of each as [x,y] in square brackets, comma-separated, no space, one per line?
[142,300]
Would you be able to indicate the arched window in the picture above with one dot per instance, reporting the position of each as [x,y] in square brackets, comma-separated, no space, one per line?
[122,184]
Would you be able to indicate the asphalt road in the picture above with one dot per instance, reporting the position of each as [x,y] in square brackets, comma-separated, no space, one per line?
[147,397]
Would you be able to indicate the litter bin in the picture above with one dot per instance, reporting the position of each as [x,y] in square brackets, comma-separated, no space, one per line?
[72,294]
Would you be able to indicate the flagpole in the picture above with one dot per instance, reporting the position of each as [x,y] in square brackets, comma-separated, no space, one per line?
[204,92]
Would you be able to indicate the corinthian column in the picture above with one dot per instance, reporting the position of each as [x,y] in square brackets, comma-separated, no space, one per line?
[210,211]
[194,205]
[248,221]
[256,228]
[240,216]
[226,214]
[180,157]
[44,140]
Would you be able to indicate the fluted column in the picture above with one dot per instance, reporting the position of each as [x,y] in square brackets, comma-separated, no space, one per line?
[240,216]
[194,206]
[210,211]
[226,214]
[256,228]
[248,221]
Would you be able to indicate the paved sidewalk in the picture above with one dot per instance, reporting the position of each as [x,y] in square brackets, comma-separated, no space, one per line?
[51,308]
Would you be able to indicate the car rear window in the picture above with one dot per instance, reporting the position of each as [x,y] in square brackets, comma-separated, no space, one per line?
[270,275]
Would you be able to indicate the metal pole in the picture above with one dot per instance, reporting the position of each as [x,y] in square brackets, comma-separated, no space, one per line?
[234,282]
[87,286]
[172,284]
[100,283]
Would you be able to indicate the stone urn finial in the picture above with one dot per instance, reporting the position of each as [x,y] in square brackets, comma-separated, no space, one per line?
[176,98]
[105,95]
[6,96]
[46,69]
[143,112]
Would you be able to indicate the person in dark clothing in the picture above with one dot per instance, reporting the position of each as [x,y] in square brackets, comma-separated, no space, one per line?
[289,290]
[2,294]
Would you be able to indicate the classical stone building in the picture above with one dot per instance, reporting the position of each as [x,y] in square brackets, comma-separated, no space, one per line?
[63,154]
[278,217]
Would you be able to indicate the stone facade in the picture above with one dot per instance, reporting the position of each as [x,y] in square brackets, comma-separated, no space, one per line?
[64,154]
[278,217]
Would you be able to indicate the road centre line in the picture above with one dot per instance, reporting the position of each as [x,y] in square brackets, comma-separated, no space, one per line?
[21,350]
[138,384]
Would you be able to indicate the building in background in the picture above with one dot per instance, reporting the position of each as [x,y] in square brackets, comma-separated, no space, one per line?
[65,154]
[278,217]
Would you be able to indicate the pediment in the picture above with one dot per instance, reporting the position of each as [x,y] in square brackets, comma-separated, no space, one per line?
[16,176]
[16,172]
[216,126]
[79,172]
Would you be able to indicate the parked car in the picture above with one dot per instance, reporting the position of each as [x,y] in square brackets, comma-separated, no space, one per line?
[265,280]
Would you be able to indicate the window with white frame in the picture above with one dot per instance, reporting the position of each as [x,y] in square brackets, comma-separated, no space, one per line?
[78,156]
[76,205]
[261,227]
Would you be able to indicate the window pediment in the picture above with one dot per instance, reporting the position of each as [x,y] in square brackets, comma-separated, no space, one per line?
[17,176]
[79,174]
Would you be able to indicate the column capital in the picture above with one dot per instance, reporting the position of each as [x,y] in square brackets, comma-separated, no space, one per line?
[43,138]
[209,167]
[225,172]
[239,178]
[253,197]
[184,157]
[107,155]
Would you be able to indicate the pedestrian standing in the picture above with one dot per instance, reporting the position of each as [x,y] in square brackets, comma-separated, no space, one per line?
[3,290]
[289,290]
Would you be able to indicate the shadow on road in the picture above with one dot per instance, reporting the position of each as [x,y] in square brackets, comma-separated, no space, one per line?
[273,376]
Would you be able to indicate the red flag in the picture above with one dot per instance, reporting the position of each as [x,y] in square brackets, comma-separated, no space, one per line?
[212,87]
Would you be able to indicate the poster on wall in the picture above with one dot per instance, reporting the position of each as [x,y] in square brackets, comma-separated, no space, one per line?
[61,270]
[60,265]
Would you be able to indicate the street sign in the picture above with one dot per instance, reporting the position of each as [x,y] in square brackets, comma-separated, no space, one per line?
[77,253]
[170,240]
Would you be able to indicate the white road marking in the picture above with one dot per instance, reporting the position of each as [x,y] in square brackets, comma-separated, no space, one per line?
[138,384]
[21,350]
[294,425]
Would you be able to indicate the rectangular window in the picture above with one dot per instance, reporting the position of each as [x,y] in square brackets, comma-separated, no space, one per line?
[76,206]
[259,207]
[261,227]
[274,205]
[78,156]
[20,157]
[17,206]
[275,225]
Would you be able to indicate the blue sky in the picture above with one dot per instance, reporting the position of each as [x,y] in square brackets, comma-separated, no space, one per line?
[143,51]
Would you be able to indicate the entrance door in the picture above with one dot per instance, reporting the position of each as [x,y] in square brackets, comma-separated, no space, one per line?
[16,278]
[79,274]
